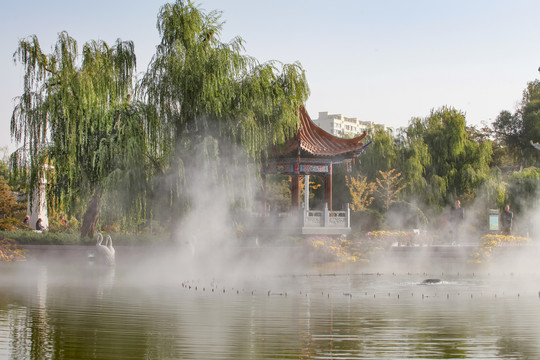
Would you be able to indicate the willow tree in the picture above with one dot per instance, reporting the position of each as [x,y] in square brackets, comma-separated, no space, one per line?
[456,165]
[208,93]
[380,155]
[75,114]
[415,159]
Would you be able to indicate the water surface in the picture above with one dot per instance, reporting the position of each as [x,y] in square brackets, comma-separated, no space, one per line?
[78,310]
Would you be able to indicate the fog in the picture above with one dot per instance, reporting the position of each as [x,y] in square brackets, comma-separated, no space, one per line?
[213,241]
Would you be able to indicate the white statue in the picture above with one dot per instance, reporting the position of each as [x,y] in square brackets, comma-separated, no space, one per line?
[536,145]
[106,253]
[37,209]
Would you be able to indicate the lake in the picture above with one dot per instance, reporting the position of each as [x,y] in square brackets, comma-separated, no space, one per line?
[164,306]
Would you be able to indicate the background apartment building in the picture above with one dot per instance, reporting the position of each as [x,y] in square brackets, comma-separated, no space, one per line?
[339,125]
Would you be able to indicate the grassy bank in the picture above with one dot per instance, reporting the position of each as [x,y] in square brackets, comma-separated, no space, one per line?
[25,237]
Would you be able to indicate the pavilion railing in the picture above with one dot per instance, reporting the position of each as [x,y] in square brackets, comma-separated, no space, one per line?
[327,218]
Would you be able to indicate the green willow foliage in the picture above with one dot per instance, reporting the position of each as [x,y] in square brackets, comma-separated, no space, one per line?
[523,189]
[435,155]
[200,87]
[75,114]
[199,98]
[439,148]
[380,155]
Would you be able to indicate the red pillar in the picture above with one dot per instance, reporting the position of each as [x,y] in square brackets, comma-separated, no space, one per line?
[295,192]
[328,190]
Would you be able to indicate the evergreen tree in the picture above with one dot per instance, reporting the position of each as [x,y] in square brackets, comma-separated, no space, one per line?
[518,130]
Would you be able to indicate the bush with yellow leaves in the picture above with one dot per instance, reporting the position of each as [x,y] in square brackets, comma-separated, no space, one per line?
[361,248]
[10,251]
[491,241]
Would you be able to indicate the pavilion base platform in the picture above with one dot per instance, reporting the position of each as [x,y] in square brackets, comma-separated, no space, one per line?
[325,231]
[313,222]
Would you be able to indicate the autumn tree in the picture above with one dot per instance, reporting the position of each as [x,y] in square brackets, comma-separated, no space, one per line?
[389,185]
[361,192]
[11,211]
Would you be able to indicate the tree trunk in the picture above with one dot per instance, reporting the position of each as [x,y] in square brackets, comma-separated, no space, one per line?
[90,218]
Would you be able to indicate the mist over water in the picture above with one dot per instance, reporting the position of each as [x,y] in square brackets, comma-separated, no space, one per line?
[213,295]
[207,245]
[90,312]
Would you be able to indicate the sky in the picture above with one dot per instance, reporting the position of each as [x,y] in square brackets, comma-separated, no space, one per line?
[385,61]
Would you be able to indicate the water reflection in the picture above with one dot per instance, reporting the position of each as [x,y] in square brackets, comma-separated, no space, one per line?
[52,311]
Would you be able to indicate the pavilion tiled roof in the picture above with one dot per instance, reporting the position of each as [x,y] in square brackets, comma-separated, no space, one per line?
[317,142]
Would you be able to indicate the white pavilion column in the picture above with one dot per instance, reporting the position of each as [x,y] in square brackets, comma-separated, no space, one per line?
[306,193]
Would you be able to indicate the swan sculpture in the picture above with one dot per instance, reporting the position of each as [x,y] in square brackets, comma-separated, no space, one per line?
[109,245]
[106,253]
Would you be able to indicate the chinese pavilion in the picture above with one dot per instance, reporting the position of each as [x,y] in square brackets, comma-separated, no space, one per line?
[313,151]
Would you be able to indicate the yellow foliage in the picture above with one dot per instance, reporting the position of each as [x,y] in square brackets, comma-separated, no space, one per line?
[360,249]
[10,251]
[491,241]
[361,192]
[389,186]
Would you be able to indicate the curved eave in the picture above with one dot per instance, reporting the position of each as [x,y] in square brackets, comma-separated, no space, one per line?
[318,142]
[313,141]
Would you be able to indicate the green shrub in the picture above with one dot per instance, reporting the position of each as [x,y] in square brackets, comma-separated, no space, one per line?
[73,237]
[367,220]
[44,238]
